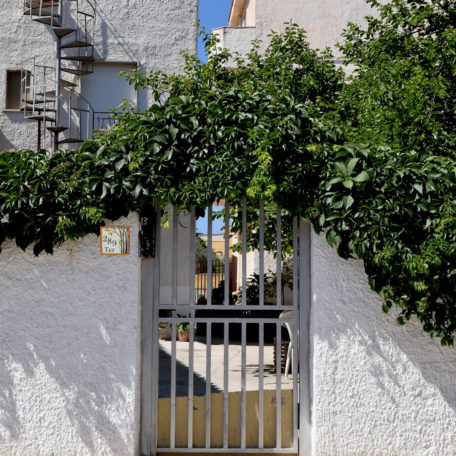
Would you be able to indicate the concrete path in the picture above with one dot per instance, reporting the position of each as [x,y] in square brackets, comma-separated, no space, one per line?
[217,370]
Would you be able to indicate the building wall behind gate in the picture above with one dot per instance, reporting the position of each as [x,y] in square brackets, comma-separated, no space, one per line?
[150,33]
[69,349]
[378,388]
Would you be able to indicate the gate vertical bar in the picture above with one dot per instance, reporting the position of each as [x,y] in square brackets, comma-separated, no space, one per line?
[190,386]
[175,256]
[304,341]
[227,253]
[208,383]
[278,385]
[209,256]
[294,362]
[261,387]
[191,301]
[243,383]
[279,256]
[172,428]
[226,333]
[244,251]
[261,242]
[155,343]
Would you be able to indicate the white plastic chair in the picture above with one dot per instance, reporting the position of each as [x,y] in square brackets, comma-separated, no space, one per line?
[288,314]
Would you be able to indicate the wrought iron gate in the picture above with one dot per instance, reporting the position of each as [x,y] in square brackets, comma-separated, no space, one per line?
[240,383]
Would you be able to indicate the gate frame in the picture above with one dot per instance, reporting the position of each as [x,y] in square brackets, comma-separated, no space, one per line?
[150,303]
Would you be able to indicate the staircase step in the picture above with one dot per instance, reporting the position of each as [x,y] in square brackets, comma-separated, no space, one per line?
[49,93]
[65,84]
[60,32]
[40,117]
[70,141]
[40,101]
[79,58]
[75,44]
[80,109]
[36,109]
[78,72]
[57,128]
[44,3]
[40,13]
[48,21]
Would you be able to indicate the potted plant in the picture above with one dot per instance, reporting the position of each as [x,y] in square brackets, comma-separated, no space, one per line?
[183,330]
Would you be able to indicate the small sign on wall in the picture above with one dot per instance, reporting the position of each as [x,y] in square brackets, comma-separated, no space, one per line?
[114,240]
[148,220]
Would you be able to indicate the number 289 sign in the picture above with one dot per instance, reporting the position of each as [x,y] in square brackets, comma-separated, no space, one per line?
[114,240]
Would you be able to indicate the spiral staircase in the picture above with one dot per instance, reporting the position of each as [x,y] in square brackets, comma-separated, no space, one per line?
[50,83]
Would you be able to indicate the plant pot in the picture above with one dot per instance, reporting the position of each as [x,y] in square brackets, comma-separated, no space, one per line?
[183,336]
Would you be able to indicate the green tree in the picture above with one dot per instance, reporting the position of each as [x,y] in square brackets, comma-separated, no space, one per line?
[400,101]
[369,161]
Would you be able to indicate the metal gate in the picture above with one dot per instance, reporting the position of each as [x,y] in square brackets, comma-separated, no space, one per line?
[240,384]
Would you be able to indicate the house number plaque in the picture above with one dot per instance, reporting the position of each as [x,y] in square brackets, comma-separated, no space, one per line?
[114,240]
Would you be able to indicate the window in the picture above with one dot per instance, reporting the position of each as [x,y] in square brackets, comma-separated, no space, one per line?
[13,89]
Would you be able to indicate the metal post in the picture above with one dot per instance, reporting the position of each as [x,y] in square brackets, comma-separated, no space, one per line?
[304,341]
[155,341]
[227,254]
[58,75]
[244,251]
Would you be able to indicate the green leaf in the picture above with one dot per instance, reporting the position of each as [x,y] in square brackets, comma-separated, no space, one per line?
[341,168]
[137,191]
[418,188]
[173,132]
[348,183]
[351,165]
[120,164]
[348,201]
[361,177]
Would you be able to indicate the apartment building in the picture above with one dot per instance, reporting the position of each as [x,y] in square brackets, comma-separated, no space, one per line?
[61,58]
[323,21]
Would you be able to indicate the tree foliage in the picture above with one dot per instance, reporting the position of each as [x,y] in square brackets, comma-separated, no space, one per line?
[369,160]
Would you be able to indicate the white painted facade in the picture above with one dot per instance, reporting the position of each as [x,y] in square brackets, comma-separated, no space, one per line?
[323,20]
[69,349]
[377,388]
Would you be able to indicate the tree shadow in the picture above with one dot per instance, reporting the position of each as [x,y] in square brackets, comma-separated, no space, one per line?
[182,374]
[347,323]
[68,352]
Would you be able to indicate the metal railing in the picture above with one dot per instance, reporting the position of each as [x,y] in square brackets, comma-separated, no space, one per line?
[201,277]
[103,120]
[39,102]
[42,8]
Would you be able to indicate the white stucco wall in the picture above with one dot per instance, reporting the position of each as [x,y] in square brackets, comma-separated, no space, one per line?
[69,350]
[323,20]
[237,39]
[151,33]
[378,388]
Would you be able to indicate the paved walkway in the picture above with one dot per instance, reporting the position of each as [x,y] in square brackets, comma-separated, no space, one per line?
[217,369]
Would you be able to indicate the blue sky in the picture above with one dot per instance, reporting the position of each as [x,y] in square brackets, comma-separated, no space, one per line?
[212,14]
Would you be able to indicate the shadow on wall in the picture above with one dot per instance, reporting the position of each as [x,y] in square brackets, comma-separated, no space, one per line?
[109,34]
[5,143]
[348,319]
[67,352]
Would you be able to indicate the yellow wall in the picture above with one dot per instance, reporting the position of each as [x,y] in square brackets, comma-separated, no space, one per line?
[234,420]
